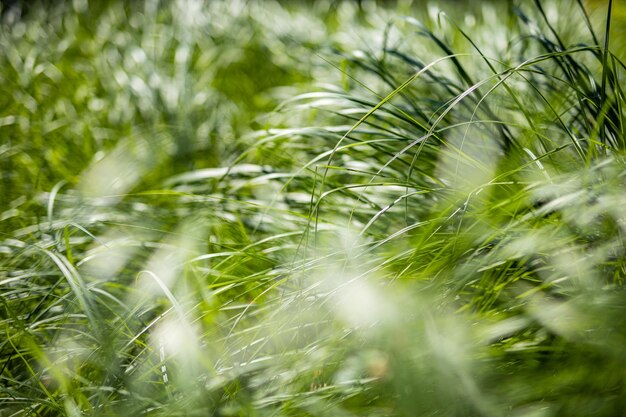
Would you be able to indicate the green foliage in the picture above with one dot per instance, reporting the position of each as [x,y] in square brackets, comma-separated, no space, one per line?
[339,209]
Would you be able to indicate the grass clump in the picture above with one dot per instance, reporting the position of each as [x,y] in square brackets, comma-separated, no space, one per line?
[340,209]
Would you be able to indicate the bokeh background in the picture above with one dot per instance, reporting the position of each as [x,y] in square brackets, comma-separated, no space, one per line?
[333,208]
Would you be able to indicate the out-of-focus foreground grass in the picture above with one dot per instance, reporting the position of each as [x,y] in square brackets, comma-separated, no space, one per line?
[240,208]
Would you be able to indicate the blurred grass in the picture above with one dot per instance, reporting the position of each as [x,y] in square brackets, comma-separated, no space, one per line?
[333,209]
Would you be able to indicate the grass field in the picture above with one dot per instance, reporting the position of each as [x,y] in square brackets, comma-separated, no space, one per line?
[240,208]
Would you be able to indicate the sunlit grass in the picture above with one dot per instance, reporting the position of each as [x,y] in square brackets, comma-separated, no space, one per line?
[339,209]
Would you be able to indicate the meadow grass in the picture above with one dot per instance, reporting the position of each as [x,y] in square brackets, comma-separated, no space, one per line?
[329,209]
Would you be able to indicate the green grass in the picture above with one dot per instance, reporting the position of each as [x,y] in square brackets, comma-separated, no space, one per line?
[338,209]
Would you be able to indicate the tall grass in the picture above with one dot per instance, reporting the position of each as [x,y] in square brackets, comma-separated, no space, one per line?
[340,209]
